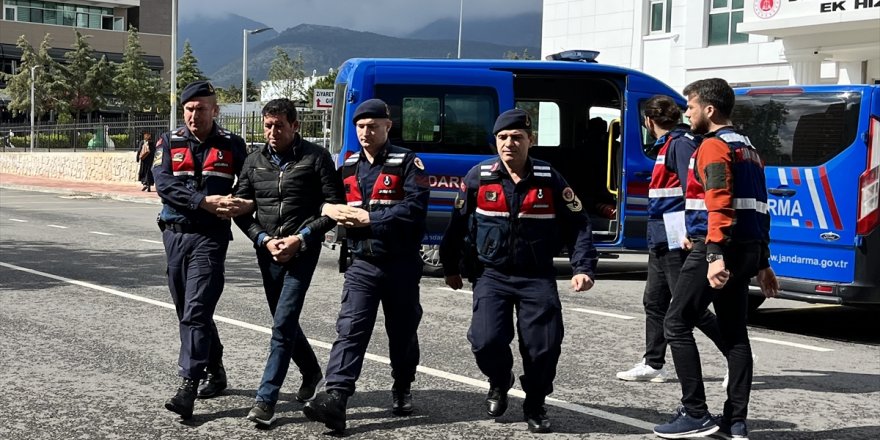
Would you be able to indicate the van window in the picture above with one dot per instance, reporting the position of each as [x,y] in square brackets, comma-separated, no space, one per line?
[806,129]
[441,119]
[545,121]
[421,119]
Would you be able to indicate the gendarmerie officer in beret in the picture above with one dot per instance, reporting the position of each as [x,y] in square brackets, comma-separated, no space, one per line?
[195,168]
[386,191]
[515,214]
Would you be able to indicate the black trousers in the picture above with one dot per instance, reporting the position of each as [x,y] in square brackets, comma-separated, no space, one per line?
[690,299]
[394,284]
[664,266]
[195,279]
[535,303]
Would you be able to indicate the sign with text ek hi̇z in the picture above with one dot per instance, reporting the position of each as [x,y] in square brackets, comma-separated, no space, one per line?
[323,99]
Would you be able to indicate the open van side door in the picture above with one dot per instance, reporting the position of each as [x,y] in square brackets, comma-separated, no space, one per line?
[636,173]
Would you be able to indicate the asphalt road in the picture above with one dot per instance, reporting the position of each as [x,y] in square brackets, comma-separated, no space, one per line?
[89,342]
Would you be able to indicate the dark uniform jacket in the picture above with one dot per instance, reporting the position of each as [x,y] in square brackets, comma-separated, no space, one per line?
[186,171]
[517,228]
[394,189]
[289,197]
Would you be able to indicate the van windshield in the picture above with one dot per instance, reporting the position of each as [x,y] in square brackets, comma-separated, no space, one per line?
[805,129]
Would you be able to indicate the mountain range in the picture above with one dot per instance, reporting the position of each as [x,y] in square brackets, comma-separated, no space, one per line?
[325,47]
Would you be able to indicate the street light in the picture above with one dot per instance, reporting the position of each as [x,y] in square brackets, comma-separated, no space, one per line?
[33,107]
[245,33]
[460,19]
[172,117]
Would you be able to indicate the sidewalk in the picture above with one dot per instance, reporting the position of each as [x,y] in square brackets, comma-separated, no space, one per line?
[130,192]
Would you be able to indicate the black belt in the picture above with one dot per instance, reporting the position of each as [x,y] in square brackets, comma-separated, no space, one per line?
[186,228]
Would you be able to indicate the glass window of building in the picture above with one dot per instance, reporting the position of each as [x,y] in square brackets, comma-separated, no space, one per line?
[32,11]
[724,15]
[660,13]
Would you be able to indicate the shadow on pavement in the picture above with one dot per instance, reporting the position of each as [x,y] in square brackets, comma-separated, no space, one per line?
[820,381]
[840,323]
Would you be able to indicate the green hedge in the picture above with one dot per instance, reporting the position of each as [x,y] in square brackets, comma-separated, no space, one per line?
[64,141]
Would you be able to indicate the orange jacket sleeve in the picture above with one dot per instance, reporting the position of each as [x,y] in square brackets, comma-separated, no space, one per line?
[714,171]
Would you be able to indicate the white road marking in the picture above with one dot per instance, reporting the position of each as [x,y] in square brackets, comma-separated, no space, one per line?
[17,220]
[449,289]
[99,233]
[790,344]
[596,312]
[57,226]
[478,383]
[149,241]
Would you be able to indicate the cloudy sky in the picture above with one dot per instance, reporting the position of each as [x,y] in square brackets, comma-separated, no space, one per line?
[390,17]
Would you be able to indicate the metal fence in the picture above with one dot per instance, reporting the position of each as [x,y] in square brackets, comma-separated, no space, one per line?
[109,134]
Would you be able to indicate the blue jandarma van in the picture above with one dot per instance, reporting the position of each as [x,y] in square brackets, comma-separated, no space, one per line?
[821,146]
[587,117]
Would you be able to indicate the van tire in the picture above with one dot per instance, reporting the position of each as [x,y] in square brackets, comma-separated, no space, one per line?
[430,254]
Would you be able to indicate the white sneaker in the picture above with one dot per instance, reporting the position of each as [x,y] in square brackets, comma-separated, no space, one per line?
[727,374]
[643,372]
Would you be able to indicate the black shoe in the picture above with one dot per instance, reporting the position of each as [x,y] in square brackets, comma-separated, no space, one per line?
[537,419]
[144,188]
[309,387]
[496,400]
[401,400]
[214,384]
[262,413]
[149,189]
[183,402]
[329,409]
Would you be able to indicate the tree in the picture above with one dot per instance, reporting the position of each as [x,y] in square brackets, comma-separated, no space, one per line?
[232,93]
[18,86]
[188,68]
[514,55]
[137,87]
[287,75]
[82,83]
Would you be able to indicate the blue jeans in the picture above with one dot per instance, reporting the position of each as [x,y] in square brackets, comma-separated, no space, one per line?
[286,285]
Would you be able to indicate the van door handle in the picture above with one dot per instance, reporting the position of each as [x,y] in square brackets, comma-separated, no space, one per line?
[783,192]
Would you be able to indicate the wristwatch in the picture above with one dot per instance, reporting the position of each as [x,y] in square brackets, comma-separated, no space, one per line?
[266,239]
[711,258]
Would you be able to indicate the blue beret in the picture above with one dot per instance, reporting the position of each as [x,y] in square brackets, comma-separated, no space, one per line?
[196,89]
[512,120]
[371,108]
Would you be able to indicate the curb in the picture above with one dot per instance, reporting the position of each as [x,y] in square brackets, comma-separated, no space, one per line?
[93,194]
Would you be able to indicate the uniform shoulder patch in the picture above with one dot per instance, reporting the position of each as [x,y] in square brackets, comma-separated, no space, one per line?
[418,163]
[575,205]
[157,160]
[459,202]
[568,194]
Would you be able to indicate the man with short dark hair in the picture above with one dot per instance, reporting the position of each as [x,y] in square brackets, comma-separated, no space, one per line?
[516,213]
[195,168]
[288,179]
[728,229]
[386,193]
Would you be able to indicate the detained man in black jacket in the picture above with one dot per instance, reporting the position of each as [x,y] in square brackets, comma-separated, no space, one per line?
[289,179]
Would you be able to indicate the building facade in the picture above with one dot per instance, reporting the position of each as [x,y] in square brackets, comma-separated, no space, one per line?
[106,21]
[746,42]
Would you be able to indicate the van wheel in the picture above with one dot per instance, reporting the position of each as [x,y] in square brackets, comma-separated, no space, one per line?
[430,254]
[755,301]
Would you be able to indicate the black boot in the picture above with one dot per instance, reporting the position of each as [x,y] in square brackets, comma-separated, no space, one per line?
[496,399]
[401,399]
[329,409]
[215,383]
[536,417]
[182,403]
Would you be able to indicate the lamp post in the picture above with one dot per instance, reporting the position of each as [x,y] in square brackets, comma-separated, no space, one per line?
[245,33]
[33,107]
[460,19]
[172,118]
